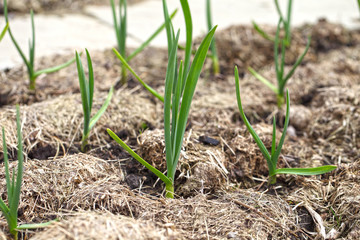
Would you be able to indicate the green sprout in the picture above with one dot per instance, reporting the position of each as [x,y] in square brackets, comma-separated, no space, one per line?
[287,26]
[30,63]
[120,26]
[279,68]
[87,93]
[272,158]
[13,186]
[2,34]
[214,57]
[180,84]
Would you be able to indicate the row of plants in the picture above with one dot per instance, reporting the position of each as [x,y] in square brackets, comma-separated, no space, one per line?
[180,83]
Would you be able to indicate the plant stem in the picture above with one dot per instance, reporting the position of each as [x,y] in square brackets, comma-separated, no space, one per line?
[215,59]
[84,143]
[124,74]
[32,85]
[280,100]
[169,190]
[272,179]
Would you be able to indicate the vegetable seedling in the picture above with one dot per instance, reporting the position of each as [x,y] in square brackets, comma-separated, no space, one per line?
[214,57]
[279,68]
[30,63]
[120,27]
[2,34]
[180,84]
[287,26]
[13,186]
[87,93]
[273,156]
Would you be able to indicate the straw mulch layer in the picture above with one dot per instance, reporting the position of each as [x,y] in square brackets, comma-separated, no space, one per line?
[221,180]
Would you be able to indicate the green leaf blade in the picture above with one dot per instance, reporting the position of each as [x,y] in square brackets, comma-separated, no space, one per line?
[263,80]
[150,89]
[169,82]
[190,85]
[84,94]
[14,204]
[102,110]
[2,34]
[164,178]
[91,79]
[55,69]
[306,171]
[247,123]
[189,31]
[147,42]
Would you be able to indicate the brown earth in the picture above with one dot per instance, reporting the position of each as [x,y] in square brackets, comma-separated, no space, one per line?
[221,188]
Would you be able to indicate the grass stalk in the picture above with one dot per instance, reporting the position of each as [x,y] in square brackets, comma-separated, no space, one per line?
[287,24]
[273,156]
[120,27]
[281,77]
[180,84]
[30,63]
[213,49]
[87,93]
[13,185]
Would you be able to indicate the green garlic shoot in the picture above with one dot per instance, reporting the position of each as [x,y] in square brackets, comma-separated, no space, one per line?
[87,93]
[287,26]
[30,63]
[281,77]
[180,84]
[13,186]
[120,27]
[273,156]
[214,57]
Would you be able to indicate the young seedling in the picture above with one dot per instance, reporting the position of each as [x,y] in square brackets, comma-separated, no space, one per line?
[214,57]
[87,93]
[120,26]
[279,68]
[2,34]
[30,63]
[273,156]
[180,86]
[287,26]
[13,186]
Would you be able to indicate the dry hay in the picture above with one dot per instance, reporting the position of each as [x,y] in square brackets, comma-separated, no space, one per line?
[336,125]
[333,202]
[243,46]
[53,188]
[201,167]
[58,122]
[65,81]
[246,161]
[71,183]
[242,215]
[97,225]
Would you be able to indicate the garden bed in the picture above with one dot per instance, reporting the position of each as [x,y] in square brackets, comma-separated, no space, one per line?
[221,189]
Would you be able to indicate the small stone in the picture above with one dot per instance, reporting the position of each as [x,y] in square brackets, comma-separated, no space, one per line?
[231,235]
[208,140]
